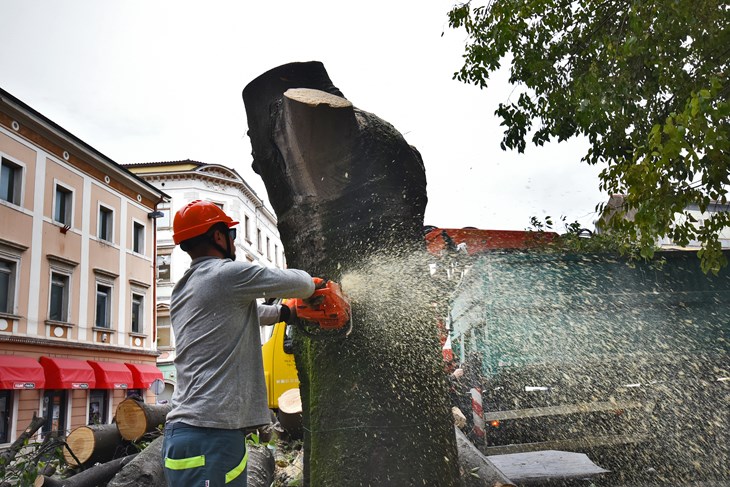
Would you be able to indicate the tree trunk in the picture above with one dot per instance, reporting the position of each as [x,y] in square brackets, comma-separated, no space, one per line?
[97,475]
[135,418]
[350,194]
[145,470]
[91,444]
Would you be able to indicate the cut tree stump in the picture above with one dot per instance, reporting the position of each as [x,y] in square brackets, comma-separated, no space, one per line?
[97,475]
[135,418]
[290,412]
[92,444]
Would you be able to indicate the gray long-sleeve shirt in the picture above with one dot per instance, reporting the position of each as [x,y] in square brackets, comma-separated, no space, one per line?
[213,309]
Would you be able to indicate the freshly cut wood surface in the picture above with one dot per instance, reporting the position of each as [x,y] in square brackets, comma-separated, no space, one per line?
[93,443]
[135,418]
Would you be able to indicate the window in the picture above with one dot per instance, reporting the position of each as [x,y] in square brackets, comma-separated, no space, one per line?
[7,286]
[164,333]
[58,310]
[138,236]
[62,205]
[137,312]
[10,180]
[276,255]
[259,241]
[246,230]
[164,221]
[54,410]
[98,406]
[268,248]
[5,410]
[163,267]
[106,219]
[103,306]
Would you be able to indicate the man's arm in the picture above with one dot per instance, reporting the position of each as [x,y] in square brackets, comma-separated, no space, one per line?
[270,314]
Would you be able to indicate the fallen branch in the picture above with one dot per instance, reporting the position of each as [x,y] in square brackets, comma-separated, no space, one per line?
[97,475]
[9,455]
[145,470]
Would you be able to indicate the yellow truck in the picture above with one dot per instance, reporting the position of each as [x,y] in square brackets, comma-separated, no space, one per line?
[279,368]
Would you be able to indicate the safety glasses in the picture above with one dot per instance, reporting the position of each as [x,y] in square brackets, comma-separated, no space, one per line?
[232,233]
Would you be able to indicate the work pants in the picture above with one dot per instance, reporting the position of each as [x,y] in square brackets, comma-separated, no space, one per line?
[204,457]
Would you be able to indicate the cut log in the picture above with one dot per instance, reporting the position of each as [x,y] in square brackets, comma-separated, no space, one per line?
[290,412]
[9,455]
[145,470]
[135,418]
[476,469]
[97,475]
[92,444]
[260,466]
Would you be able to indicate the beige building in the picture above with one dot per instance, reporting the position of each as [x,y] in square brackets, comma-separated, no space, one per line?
[257,240]
[77,268]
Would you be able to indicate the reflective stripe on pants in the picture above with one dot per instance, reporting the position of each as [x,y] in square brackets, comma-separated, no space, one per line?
[204,457]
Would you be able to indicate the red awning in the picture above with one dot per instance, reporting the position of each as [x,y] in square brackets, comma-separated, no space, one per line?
[144,374]
[111,375]
[18,372]
[68,373]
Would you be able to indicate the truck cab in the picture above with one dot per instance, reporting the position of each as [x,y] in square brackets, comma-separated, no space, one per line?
[279,368]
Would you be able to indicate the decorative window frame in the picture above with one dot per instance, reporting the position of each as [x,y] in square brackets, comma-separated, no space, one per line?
[71,196]
[12,252]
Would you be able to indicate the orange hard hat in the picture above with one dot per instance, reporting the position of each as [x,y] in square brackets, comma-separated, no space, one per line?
[196,218]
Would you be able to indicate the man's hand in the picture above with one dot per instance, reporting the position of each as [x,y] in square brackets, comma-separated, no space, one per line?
[315,301]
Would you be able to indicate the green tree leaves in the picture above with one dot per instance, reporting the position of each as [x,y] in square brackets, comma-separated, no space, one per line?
[646,83]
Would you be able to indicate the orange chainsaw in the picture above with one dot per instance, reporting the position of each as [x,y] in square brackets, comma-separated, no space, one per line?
[327,311]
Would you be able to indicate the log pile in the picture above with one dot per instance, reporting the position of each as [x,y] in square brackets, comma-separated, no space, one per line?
[96,455]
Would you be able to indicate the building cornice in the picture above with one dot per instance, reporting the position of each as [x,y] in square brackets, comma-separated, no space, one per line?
[196,171]
[31,125]
[43,342]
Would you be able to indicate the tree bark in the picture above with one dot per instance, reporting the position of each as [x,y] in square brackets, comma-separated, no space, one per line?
[145,470]
[92,444]
[260,466]
[135,418]
[350,195]
[97,475]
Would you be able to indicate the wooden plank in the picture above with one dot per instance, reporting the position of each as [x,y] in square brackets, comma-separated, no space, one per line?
[544,465]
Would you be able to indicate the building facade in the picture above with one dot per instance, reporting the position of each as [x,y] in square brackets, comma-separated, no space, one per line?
[77,278]
[257,240]
[616,201]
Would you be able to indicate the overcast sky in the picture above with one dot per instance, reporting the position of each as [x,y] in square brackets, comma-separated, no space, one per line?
[145,81]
